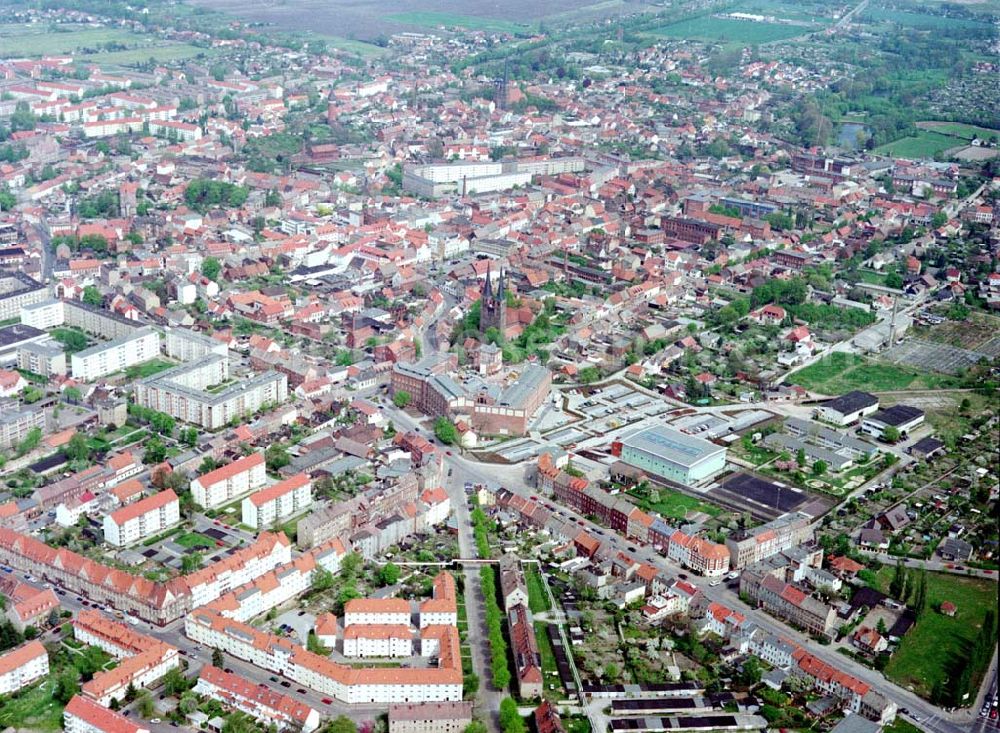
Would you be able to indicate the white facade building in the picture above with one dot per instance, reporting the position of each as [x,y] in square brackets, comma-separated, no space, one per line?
[378,641]
[83,715]
[230,482]
[114,356]
[23,665]
[277,502]
[142,519]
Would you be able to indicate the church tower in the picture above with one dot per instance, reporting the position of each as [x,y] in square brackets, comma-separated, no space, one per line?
[493,308]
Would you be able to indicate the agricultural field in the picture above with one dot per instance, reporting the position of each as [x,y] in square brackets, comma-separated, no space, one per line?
[840,372]
[162,54]
[937,642]
[428,19]
[712,28]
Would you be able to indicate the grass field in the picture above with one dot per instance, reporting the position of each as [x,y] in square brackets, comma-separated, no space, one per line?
[840,372]
[919,20]
[28,42]
[33,708]
[349,45]
[959,129]
[192,540]
[925,144]
[937,641]
[672,504]
[148,368]
[538,599]
[548,658]
[710,28]
[429,19]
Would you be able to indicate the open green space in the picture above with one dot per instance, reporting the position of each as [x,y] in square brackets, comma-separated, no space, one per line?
[192,540]
[670,503]
[429,19]
[24,42]
[33,708]
[148,368]
[937,643]
[538,599]
[922,21]
[350,45]
[959,129]
[549,669]
[923,144]
[840,372]
[710,28]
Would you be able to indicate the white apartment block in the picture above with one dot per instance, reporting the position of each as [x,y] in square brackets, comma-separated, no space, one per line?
[271,590]
[142,519]
[46,358]
[23,665]
[377,611]
[44,315]
[277,502]
[182,392]
[114,356]
[186,345]
[83,715]
[378,641]
[230,482]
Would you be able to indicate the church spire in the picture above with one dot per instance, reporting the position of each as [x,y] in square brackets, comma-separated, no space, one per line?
[488,285]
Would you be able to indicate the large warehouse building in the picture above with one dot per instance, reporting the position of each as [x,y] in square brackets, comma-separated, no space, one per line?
[673,455]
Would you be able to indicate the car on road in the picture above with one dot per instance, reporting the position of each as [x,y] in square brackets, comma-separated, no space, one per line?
[286,683]
[448,453]
[228,671]
[993,714]
[301,691]
[154,720]
[682,576]
[327,701]
[273,679]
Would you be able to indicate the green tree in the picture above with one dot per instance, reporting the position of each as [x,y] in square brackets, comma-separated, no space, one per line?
[890,434]
[388,574]
[77,449]
[190,562]
[445,431]
[819,468]
[218,658]
[350,566]
[92,296]
[898,581]
[401,399]
[476,726]
[510,719]
[920,599]
[72,394]
[211,267]
[67,685]
[342,724]
[155,452]
[322,579]
[800,457]
[276,457]
[174,682]
[894,280]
